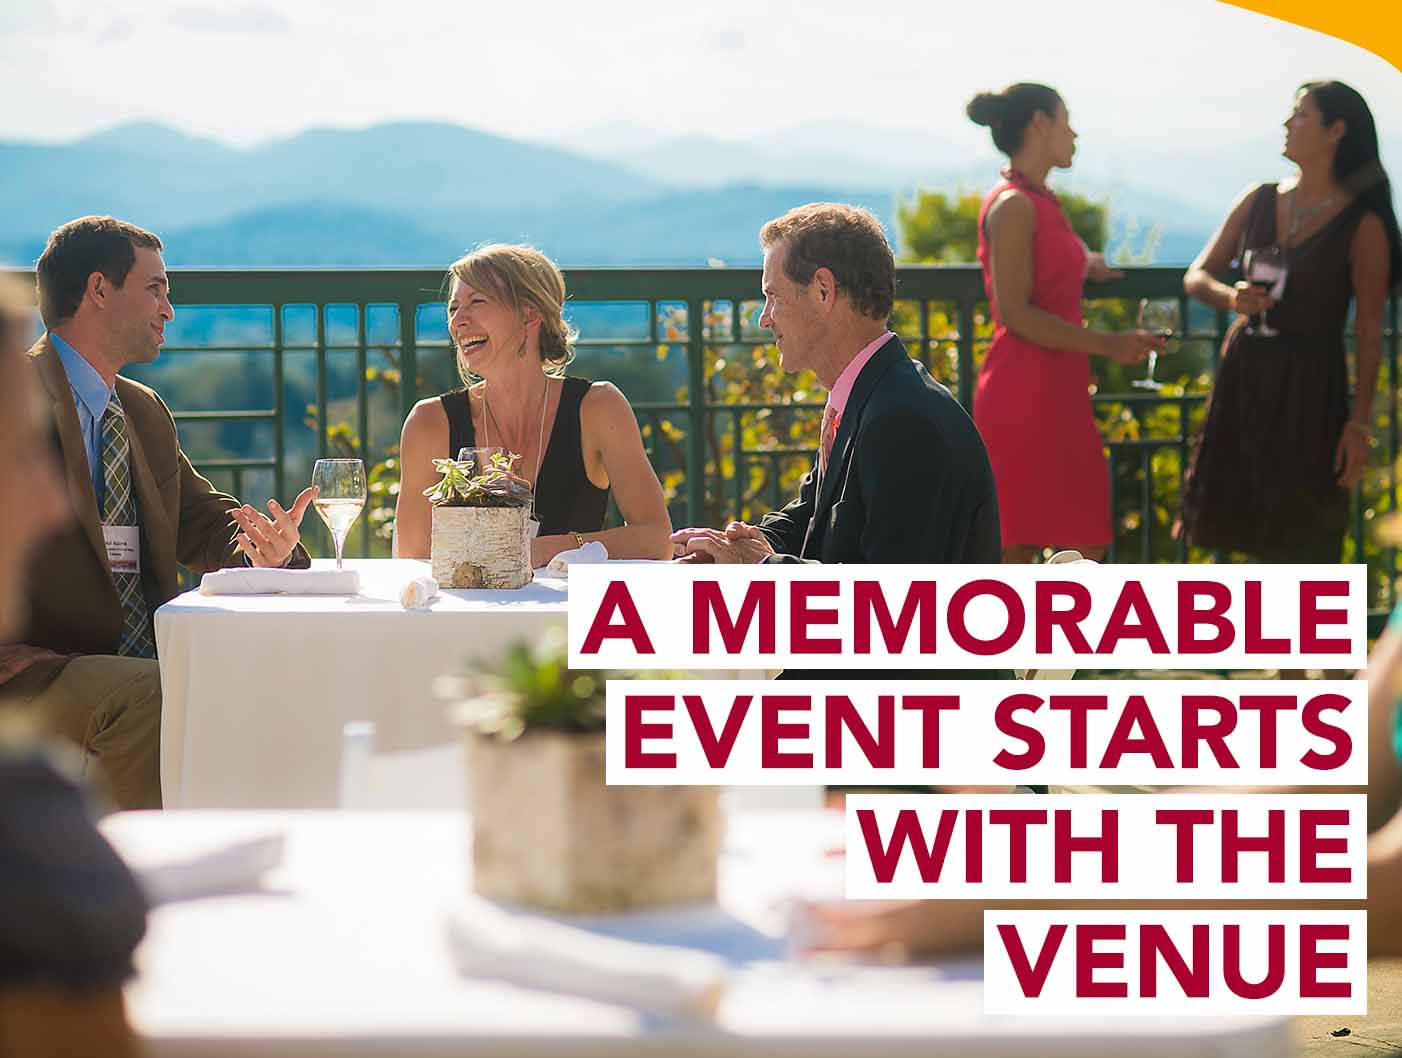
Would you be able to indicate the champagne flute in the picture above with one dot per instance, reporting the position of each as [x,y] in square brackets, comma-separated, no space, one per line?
[340,496]
[1264,268]
[1160,318]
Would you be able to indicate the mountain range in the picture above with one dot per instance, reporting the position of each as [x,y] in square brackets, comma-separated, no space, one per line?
[422,193]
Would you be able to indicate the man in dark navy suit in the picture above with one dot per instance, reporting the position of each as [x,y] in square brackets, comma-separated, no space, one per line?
[902,475]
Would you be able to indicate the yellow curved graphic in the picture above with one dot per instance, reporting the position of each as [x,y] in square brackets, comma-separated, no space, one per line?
[1372,24]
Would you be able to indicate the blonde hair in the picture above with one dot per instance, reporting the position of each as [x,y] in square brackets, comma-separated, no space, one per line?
[521,276]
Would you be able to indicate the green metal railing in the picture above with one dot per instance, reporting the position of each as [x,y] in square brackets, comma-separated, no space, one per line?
[697,313]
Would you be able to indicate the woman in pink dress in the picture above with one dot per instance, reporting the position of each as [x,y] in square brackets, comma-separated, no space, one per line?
[1032,401]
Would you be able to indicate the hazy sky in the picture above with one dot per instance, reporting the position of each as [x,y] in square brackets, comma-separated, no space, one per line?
[1143,71]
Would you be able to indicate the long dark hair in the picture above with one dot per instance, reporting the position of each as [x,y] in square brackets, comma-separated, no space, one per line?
[1358,166]
[1009,112]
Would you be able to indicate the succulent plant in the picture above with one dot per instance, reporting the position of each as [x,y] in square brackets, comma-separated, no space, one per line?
[532,688]
[493,486]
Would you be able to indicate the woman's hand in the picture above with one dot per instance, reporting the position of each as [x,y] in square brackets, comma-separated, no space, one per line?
[1130,347]
[1351,455]
[890,930]
[1248,301]
[544,548]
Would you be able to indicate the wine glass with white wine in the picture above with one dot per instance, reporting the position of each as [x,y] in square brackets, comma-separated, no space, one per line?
[340,496]
[1160,318]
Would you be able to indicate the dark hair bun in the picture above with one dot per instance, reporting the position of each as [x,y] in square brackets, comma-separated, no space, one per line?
[987,109]
[1009,112]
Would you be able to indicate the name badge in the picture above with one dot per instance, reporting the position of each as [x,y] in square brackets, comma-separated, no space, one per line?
[532,529]
[123,548]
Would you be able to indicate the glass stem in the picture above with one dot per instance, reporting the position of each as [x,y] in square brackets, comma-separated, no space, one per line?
[340,545]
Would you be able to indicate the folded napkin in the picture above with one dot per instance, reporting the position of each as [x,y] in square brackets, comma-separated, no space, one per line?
[539,953]
[253,581]
[593,551]
[228,870]
[418,593]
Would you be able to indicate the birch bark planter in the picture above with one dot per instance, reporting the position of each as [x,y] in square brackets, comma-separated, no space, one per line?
[547,832]
[481,547]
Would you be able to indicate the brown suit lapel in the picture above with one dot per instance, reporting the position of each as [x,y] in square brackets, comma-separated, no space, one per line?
[156,531]
[75,454]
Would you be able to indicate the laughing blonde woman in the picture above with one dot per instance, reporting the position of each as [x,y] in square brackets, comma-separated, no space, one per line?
[577,440]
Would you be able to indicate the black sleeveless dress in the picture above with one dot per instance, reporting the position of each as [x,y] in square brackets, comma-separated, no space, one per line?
[566,501]
[1262,480]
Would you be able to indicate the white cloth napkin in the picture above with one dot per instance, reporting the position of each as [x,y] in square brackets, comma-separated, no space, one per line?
[418,593]
[593,551]
[253,581]
[539,953]
[224,871]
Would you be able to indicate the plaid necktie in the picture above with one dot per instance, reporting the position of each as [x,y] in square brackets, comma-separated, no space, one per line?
[119,508]
[829,435]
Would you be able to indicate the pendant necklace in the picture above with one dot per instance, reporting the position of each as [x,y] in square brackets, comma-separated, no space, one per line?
[540,438]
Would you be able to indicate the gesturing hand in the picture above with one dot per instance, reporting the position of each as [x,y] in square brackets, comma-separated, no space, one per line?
[271,541]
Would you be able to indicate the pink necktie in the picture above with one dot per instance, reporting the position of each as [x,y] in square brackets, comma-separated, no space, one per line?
[829,434]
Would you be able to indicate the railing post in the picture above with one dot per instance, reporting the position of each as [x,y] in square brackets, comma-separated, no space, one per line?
[362,397]
[737,433]
[966,354]
[321,415]
[409,357]
[279,411]
[697,399]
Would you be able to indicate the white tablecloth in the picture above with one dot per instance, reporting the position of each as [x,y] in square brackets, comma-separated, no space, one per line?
[258,688]
[345,954]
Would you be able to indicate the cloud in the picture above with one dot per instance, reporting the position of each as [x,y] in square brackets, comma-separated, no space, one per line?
[730,66]
[725,40]
[251,18]
[28,16]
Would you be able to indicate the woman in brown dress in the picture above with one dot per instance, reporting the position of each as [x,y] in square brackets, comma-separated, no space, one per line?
[1283,440]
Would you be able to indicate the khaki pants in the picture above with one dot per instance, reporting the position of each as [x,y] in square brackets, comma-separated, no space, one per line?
[108,706]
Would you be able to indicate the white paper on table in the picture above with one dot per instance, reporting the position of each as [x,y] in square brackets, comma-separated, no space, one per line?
[593,551]
[539,953]
[255,581]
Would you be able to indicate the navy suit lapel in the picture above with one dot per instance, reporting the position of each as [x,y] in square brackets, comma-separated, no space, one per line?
[862,390]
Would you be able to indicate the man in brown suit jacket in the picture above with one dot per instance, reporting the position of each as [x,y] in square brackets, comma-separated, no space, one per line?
[85,660]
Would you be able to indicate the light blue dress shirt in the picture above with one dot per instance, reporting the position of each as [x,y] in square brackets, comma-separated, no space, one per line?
[91,395]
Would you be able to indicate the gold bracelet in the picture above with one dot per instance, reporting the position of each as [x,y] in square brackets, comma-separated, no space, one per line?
[578,539]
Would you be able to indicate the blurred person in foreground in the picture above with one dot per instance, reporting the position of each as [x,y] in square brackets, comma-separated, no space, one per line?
[577,440]
[83,661]
[70,912]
